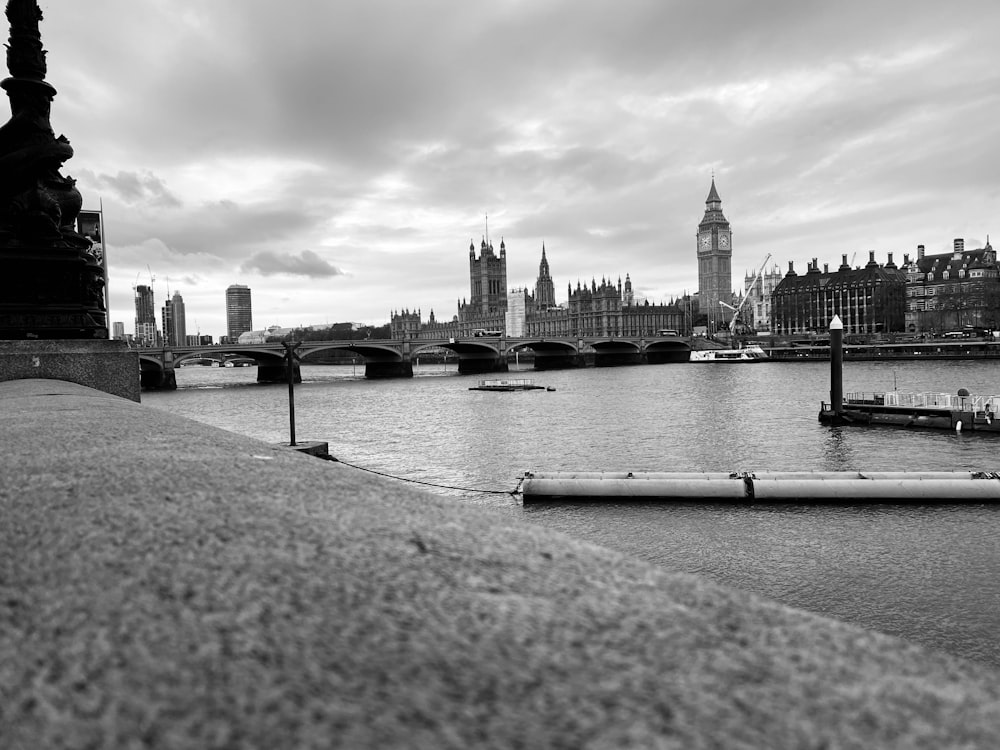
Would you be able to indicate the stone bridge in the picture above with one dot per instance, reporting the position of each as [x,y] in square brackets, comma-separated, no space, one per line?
[393,358]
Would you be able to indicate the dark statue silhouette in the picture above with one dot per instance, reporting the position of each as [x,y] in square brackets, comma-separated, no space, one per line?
[52,285]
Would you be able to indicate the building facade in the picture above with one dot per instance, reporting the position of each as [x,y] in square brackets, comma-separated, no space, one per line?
[517,311]
[758,303]
[715,253]
[868,300]
[953,290]
[239,311]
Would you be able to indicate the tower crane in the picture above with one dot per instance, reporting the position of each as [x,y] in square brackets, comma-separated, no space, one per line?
[736,310]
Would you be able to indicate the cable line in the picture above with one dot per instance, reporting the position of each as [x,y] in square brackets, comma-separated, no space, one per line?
[513,493]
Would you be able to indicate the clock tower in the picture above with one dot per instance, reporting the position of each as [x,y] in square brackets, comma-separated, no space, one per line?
[715,253]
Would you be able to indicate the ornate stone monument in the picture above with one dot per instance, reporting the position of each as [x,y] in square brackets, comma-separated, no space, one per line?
[51,283]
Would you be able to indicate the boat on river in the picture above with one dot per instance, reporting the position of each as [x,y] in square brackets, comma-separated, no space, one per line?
[941,411]
[751,353]
[508,384]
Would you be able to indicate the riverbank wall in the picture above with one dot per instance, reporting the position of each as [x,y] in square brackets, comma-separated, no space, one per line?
[168,584]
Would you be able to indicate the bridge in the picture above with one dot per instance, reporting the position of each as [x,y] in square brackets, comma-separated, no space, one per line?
[393,358]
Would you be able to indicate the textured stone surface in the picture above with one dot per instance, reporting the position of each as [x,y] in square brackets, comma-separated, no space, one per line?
[108,366]
[165,584]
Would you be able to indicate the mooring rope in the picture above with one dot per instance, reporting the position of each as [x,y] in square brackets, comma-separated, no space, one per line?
[513,493]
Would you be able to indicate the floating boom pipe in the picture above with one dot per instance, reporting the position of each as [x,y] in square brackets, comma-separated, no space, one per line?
[789,486]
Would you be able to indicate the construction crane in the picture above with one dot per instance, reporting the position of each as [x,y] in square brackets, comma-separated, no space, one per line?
[736,310]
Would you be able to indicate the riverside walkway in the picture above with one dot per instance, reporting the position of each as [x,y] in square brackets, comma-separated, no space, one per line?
[166,584]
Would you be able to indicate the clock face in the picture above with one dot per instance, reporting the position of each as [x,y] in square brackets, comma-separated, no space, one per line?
[723,241]
[706,241]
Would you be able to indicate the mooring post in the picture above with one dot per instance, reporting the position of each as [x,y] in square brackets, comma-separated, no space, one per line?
[836,365]
[290,364]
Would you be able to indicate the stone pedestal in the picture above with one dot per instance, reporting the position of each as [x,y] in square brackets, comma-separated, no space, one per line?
[108,366]
[51,293]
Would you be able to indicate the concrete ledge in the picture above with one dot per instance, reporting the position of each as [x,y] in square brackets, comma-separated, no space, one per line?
[169,585]
[108,366]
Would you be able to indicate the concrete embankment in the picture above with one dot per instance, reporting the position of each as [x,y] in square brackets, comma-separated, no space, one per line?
[170,585]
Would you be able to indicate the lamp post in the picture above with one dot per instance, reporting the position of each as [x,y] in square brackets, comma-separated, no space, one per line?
[290,366]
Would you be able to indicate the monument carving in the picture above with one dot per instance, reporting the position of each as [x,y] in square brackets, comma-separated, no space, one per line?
[52,285]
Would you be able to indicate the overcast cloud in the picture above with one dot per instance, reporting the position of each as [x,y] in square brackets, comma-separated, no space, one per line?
[338,157]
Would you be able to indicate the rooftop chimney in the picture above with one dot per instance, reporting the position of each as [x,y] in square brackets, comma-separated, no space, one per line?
[959,246]
[843,263]
[920,252]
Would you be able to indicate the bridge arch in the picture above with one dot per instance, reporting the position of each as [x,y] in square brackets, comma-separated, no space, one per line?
[553,354]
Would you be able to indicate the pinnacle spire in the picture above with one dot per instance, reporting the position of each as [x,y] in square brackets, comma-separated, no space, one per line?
[713,194]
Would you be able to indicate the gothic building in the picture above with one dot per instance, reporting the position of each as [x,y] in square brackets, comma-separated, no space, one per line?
[868,300]
[715,253]
[488,281]
[545,288]
[605,309]
[952,290]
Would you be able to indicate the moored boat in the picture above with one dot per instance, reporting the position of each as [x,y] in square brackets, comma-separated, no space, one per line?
[751,353]
[941,411]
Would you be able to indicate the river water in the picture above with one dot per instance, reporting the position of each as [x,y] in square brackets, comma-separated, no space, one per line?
[927,572]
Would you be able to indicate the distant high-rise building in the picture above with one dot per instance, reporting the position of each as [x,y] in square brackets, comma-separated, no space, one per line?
[177,334]
[715,253]
[118,331]
[145,316]
[239,313]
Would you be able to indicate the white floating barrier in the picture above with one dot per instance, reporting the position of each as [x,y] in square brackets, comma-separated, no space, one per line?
[787,486]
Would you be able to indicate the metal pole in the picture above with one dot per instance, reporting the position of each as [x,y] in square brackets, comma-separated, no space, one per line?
[836,365]
[290,367]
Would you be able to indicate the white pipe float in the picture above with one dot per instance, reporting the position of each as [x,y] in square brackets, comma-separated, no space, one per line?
[779,486]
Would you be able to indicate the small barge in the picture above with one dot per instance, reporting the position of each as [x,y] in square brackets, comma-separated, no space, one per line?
[940,411]
[507,384]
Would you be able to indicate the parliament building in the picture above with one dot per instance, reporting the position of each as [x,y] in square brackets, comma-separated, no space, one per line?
[605,309]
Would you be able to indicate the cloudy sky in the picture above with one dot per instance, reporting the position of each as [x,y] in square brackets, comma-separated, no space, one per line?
[338,157]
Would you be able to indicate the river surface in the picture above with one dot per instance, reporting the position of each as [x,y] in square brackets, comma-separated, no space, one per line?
[928,573]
